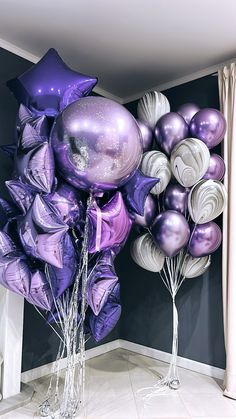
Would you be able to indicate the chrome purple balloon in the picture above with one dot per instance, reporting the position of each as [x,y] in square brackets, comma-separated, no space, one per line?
[109,226]
[208,125]
[150,212]
[176,198]
[50,85]
[216,169]
[146,134]
[205,239]
[97,144]
[171,232]
[136,190]
[170,129]
[187,111]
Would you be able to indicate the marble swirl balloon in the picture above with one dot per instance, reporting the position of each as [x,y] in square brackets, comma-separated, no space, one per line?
[147,254]
[156,164]
[151,107]
[206,201]
[189,161]
[193,267]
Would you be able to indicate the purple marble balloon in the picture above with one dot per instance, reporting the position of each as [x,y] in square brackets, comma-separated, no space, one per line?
[176,198]
[101,281]
[170,129]
[68,203]
[109,226]
[146,134]
[187,111]
[50,85]
[205,239]
[171,232]
[150,212]
[136,190]
[216,169]
[208,125]
[97,144]
[42,233]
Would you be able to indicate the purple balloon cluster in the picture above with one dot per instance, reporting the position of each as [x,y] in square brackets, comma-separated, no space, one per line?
[68,147]
[185,137]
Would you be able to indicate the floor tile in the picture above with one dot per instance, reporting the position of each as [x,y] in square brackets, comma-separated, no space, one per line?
[207,405]
[161,406]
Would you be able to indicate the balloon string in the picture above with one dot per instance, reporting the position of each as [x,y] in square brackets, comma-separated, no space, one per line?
[99,225]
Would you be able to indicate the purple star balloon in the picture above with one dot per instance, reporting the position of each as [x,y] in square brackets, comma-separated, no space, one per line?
[40,292]
[101,281]
[50,85]
[21,193]
[109,226]
[42,233]
[136,190]
[103,324]
[25,116]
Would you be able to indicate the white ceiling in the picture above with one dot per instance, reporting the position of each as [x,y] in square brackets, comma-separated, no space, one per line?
[131,45]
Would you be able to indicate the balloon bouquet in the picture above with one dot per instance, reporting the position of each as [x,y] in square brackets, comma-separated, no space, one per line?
[75,180]
[180,234]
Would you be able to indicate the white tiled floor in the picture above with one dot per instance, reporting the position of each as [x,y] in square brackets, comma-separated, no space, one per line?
[118,381]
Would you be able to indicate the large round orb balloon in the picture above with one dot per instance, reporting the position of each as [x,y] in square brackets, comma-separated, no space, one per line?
[97,144]
[208,125]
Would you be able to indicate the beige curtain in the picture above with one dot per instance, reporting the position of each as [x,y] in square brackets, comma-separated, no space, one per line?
[227,90]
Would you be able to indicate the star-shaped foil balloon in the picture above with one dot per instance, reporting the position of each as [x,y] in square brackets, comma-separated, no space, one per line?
[136,190]
[21,193]
[50,85]
[40,293]
[101,281]
[39,123]
[109,226]
[42,233]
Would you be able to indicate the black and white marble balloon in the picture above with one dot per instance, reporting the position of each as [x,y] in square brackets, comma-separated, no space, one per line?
[151,107]
[147,254]
[156,164]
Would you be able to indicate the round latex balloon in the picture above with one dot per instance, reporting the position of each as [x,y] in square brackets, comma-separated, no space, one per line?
[97,144]
[216,169]
[176,198]
[147,254]
[170,129]
[208,125]
[189,161]
[194,267]
[150,211]
[151,107]
[206,201]
[171,232]
[155,164]
[146,134]
[187,111]
[205,239]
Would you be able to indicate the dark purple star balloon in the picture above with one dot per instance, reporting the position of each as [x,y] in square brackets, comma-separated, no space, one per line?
[50,85]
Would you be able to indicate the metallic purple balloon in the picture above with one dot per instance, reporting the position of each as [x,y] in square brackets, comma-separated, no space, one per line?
[208,125]
[62,278]
[136,190]
[205,239]
[7,246]
[50,85]
[97,144]
[21,193]
[150,212]
[216,169]
[109,226]
[40,292]
[176,198]
[25,116]
[171,232]
[170,129]
[8,211]
[146,134]
[42,233]
[68,203]
[101,281]
[187,111]
[103,324]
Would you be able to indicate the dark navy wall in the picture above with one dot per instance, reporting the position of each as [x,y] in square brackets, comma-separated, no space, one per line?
[147,311]
[40,343]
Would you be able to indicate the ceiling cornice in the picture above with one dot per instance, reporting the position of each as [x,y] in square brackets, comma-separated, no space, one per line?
[173,83]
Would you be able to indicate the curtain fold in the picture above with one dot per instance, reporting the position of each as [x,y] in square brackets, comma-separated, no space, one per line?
[227,91]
